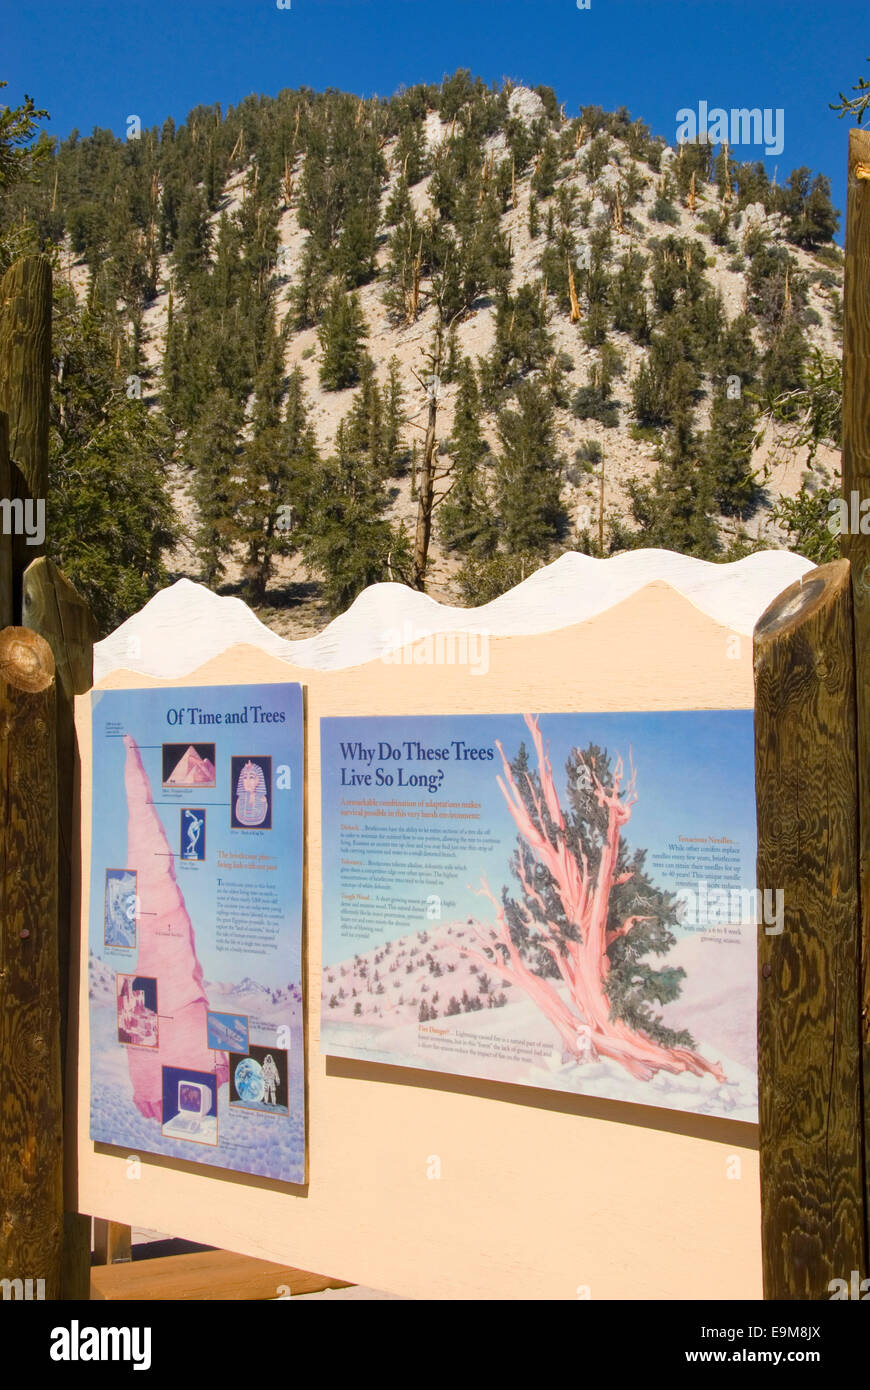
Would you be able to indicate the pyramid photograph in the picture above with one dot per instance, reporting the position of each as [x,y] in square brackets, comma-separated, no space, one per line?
[192,766]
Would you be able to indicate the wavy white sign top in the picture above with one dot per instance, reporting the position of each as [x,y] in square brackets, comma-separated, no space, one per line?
[186,625]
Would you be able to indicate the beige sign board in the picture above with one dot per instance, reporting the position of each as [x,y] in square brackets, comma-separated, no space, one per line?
[423,1184]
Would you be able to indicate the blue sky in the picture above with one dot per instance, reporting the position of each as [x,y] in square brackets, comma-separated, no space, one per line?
[98,61]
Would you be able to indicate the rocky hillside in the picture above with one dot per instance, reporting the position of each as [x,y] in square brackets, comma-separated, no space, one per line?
[631,334]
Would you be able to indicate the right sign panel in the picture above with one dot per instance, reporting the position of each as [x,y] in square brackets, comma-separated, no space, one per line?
[565,901]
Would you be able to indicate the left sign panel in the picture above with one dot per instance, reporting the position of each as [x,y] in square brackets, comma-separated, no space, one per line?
[195,933]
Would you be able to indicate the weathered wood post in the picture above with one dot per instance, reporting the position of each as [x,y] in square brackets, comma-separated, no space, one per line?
[856,479]
[25,381]
[34,593]
[31,1103]
[53,608]
[25,359]
[809,990]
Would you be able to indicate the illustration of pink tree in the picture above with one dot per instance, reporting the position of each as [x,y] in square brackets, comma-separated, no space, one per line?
[577,879]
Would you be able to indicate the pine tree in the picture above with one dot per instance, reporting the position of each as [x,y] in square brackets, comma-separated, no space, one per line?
[211,450]
[628,298]
[677,272]
[406,248]
[481,581]
[410,154]
[110,518]
[18,156]
[528,473]
[399,204]
[467,524]
[729,443]
[523,342]
[634,987]
[365,422]
[596,157]
[192,241]
[546,170]
[665,385]
[394,450]
[784,363]
[278,472]
[534,218]
[775,288]
[308,293]
[676,511]
[727,450]
[594,401]
[695,157]
[342,333]
[347,538]
[354,258]
[811,219]
[804,518]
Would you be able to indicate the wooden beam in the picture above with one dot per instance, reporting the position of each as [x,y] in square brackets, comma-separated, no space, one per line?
[25,365]
[31,1107]
[809,995]
[208,1274]
[856,478]
[113,1242]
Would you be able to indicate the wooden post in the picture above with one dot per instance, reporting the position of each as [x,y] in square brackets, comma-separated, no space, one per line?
[31,1106]
[53,608]
[856,478]
[25,365]
[809,996]
[6,603]
[35,593]
[113,1242]
[25,381]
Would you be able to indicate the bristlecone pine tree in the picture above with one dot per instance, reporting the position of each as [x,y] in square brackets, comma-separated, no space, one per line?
[585,917]
[347,538]
[342,333]
[675,512]
[212,451]
[110,518]
[278,472]
[528,473]
[465,516]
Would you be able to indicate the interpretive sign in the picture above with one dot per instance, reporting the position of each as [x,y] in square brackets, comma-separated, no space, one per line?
[195,960]
[564,901]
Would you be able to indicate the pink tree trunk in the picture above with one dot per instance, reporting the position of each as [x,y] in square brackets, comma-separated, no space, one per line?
[582,1014]
[166,950]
